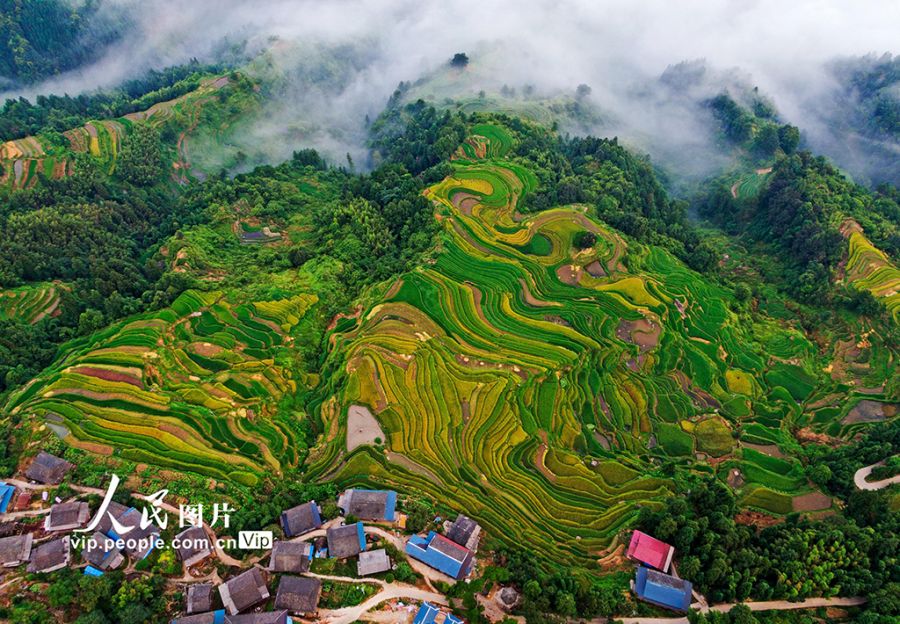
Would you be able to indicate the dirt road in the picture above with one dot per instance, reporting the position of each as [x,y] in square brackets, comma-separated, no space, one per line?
[862,474]
[347,615]
[770,605]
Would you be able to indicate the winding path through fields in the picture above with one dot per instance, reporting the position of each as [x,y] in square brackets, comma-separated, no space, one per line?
[389,591]
[769,605]
[862,474]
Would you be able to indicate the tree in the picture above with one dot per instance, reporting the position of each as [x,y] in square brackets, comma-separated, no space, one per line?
[789,138]
[140,160]
[742,293]
[766,141]
[585,240]
[418,515]
[741,614]
[459,60]
[565,604]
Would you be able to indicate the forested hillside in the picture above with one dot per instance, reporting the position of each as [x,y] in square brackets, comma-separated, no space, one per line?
[42,38]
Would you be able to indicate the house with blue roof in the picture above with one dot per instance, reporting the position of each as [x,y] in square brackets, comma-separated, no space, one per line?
[430,614]
[346,541]
[441,554]
[6,495]
[662,590]
[301,519]
[427,614]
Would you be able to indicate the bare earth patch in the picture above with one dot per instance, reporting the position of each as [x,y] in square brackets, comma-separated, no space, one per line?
[814,501]
[569,274]
[205,349]
[362,427]
[464,202]
[643,332]
[539,459]
[755,518]
[866,411]
[595,269]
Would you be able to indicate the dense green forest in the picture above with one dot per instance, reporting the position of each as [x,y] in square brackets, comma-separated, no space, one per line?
[42,38]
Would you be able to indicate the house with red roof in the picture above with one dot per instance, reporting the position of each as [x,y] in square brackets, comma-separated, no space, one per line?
[650,551]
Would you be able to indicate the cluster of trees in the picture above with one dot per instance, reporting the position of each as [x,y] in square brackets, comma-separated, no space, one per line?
[755,130]
[365,228]
[40,38]
[552,595]
[798,214]
[417,136]
[109,599]
[262,509]
[869,85]
[847,556]
[833,467]
[868,103]
[58,113]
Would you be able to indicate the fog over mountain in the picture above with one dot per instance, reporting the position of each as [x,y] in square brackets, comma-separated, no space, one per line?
[339,61]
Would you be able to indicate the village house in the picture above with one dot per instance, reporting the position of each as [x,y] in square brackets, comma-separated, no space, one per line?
[650,551]
[15,550]
[7,495]
[50,556]
[67,516]
[373,505]
[193,546]
[299,595]
[139,542]
[101,552]
[48,469]
[213,617]
[114,510]
[346,541]
[301,519]
[661,589]
[441,554]
[268,617]
[244,591]
[373,562]
[465,532]
[290,557]
[220,617]
[430,614]
[199,598]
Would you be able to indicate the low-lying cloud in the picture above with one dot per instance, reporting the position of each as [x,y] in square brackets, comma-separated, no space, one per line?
[346,57]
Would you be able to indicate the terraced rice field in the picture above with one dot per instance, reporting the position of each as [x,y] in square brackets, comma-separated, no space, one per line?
[22,160]
[750,184]
[529,382]
[194,387]
[29,304]
[868,268]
